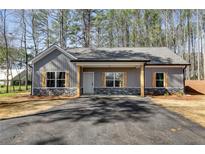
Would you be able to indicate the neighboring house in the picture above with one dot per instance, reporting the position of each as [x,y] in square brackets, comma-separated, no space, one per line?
[108,71]
[21,77]
[12,74]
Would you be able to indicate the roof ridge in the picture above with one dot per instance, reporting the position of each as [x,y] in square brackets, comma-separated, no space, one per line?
[109,47]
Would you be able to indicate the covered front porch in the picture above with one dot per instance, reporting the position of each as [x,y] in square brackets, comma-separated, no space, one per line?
[111,78]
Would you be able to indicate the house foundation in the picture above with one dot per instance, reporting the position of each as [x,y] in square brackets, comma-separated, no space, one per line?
[55,91]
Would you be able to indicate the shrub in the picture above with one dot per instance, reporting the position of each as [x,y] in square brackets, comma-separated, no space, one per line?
[179,93]
[166,93]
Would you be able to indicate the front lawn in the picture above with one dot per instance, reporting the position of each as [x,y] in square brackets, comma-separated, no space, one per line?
[190,106]
[21,104]
[13,90]
[12,94]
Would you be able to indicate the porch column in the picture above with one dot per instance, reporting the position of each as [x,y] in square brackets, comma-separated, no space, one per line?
[78,81]
[142,80]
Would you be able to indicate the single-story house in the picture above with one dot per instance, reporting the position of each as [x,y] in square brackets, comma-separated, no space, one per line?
[20,78]
[107,71]
[12,74]
[15,76]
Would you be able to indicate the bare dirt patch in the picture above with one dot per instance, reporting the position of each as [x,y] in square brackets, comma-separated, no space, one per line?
[195,87]
[24,104]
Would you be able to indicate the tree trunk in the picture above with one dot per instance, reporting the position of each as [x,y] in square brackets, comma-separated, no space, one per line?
[166,29]
[98,37]
[7,51]
[204,54]
[25,47]
[12,82]
[62,31]
[127,34]
[87,27]
[189,47]
[19,81]
[201,55]
[47,32]
[34,32]
[198,47]
[193,46]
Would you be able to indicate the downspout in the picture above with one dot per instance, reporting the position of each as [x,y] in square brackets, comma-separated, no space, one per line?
[184,77]
[31,79]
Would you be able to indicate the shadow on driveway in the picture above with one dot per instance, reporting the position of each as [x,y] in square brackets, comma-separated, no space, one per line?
[100,110]
[102,120]
[51,141]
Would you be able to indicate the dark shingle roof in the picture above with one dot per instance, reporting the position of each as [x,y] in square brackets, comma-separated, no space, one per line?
[156,55]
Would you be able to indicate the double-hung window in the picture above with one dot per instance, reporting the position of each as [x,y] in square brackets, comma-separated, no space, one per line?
[50,79]
[55,79]
[159,79]
[114,79]
[60,79]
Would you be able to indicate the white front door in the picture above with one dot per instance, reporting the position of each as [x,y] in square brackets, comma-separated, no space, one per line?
[88,82]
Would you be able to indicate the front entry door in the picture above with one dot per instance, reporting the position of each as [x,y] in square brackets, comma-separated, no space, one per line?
[88,82]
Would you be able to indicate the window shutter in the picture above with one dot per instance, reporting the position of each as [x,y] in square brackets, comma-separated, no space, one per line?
[154,79]
[67,79]
[125,79]
[103,80]
[43,78]
[165,79]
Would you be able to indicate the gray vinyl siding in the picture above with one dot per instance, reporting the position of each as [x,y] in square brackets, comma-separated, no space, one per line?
[56,61]
[132,75]
[175,76]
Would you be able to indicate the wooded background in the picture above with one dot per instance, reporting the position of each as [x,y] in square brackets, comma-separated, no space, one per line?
[26,33]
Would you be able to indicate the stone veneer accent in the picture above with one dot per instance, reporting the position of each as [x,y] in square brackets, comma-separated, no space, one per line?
[162,91]
[136,91]
[55,91]
[117,91]
[105,91]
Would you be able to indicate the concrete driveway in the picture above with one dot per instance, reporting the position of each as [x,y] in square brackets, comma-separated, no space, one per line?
[102,120]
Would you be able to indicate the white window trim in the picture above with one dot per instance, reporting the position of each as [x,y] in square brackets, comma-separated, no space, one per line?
[114,79]
[55,79]
[160,80]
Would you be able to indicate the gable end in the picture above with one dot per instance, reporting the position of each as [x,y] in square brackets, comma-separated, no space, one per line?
[50,50]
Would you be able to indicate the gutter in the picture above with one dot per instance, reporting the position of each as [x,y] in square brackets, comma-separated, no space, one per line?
[184,76]
[186,64]
[109,60]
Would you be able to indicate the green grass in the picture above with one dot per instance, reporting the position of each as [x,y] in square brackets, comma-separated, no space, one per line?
[13,92]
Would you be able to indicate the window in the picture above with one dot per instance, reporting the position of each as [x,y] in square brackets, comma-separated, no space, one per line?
[159,79]
[119,79]
[114,79]
[50,82]
[60,79]
[109,79]
[55,79]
